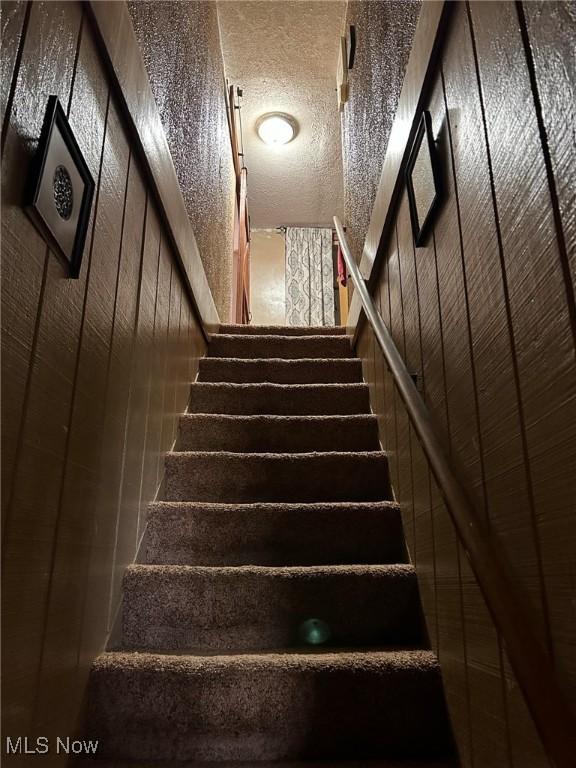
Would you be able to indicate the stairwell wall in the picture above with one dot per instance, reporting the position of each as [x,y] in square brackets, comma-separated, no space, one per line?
[384,34]
[484,315]
[180,43]
[95,372]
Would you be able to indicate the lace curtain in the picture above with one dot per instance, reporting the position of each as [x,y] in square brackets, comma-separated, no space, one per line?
[309,276]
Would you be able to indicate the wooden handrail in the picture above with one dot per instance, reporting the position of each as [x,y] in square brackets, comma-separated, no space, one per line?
[550,710]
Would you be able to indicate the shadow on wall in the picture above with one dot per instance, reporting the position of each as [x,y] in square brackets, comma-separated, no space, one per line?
[267,277]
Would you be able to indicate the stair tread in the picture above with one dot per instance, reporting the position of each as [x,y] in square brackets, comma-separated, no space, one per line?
[273,706]
[258,607]
[273,533]
[295,330]
[230,476]
[287,418]
[272,506]
[274,764]
[277,571]
[281,370]
[267,764]
[275,456]
[288,361]
[366,659]
[257,385]
[271,398]
[266,433]
[279,346]
[269,337]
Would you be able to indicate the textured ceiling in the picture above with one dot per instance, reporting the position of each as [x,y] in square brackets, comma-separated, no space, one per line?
[283,54]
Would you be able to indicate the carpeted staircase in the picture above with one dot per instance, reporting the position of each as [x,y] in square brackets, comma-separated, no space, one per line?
[277,532]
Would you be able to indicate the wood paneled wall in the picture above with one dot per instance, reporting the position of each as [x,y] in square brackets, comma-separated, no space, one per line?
[94,374]
[484,315]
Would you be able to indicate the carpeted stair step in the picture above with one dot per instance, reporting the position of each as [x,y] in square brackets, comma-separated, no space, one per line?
[290,347]
[279,371]
[258,608]
[278,434]
[95,763]
[284,330]
[251,477]
[189,533]
[268,706]
[281,399]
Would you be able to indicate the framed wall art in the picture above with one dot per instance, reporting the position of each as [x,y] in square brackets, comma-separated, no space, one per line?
[423,180]
[60,188]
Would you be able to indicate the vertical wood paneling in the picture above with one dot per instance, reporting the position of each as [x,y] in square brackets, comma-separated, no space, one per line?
[525,745]
[505,480]
[451,627]
[550,29]
[389,393]
[459,382]
[486,306]
[78,357]
[159,381]
[488,715]
[14,21]
[85,516]
[128,512]
[543,336]
[55,28]
[126,313]
[30,504]
[170,415]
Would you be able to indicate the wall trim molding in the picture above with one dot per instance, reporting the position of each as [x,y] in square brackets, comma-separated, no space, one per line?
[428,38]
[121,52]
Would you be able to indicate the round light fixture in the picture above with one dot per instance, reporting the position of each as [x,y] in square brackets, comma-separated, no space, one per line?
[276,128]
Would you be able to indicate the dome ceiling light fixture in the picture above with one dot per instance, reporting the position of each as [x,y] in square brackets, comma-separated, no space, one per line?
[276,128]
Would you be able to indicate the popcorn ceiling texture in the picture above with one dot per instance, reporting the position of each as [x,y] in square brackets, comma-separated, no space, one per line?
[180,43]
[384,33]
[284,54]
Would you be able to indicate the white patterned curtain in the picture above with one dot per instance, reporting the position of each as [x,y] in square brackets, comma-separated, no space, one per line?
[309,276]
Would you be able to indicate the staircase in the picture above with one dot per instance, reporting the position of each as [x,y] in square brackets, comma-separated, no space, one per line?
[273,616]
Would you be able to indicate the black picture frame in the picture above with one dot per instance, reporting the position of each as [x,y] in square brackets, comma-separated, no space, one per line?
[351,45]
[60,188]
[421,223]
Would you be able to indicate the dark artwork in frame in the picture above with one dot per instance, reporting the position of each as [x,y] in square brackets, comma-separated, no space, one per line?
[423,180]
[60,188]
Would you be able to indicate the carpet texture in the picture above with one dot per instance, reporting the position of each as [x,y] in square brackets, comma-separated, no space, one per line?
[289,347]
[278,434]
[192,533]
[273,619]
[261,607]
[267,764]
[283,330]
[278,371]
[279,399]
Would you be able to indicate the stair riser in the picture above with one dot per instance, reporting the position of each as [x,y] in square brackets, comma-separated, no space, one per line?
[261,535]
[277,435]
[289,348]
[262,609]
[237,478]
[280,371]
[284,330]
[257,712]
[268,764]
[277,400]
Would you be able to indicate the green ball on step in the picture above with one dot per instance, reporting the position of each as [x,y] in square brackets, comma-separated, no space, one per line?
[314,632]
